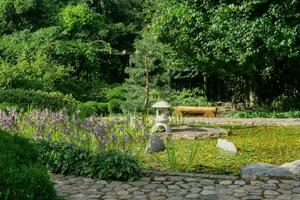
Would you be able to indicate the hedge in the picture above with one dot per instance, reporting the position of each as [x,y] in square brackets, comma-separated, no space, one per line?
[37,99]
[22,176]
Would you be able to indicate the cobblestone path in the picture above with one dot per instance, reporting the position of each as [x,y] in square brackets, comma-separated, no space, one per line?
[176,188]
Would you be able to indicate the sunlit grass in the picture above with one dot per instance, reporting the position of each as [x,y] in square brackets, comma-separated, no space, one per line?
[275,145]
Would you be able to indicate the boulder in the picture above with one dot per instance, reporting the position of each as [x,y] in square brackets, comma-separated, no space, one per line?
[226,146]
[189,132]
[265,170]
[155,144]
[293,167]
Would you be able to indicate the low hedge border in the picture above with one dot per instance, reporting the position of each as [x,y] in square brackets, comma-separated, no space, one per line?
[22,175]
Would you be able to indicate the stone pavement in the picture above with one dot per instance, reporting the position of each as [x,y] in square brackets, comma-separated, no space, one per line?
[160,187]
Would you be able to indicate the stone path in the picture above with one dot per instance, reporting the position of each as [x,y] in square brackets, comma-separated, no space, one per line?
[239,121]
[177,187]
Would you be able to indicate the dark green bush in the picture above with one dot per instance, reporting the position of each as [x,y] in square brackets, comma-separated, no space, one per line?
[114,106]
[89,108]
[286,103]
[21,174]
[93,108]
[117,92]
[102,108]
[69,159]
[18,148]
[7,106]
[37,99]
[188,98]
[26,182]
[116,166]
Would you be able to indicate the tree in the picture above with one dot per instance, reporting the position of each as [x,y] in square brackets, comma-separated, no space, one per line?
[250,42]
[148,74]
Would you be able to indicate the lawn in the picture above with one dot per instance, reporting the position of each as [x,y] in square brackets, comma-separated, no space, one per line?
[270,144]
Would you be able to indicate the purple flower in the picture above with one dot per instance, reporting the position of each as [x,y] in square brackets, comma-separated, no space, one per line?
[114,138]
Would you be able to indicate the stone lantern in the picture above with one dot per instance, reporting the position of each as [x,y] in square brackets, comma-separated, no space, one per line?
[162,115]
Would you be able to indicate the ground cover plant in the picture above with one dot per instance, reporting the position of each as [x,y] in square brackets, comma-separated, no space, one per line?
[65,158]
[22,175]
[269,144]
[270,114]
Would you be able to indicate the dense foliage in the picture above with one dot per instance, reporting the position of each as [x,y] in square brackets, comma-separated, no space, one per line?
[108,165]
[21,174]
[240,51]
[37,99]
[70,46]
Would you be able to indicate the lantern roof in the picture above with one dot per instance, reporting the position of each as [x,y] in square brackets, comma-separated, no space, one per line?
[161,104]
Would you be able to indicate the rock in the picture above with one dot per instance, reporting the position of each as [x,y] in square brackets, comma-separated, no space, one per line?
[155,144]
[264,169]
[293,167]
[189,132]
[226,146]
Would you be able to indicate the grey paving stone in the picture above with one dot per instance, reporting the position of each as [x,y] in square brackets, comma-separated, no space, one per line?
[239,182]
[225,192]
[296,190]
[207,182]
[176,188]
[195,190]
[192,196]
[286,186]
[270,193]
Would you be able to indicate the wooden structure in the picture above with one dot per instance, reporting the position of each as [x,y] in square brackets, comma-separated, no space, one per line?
[205,111]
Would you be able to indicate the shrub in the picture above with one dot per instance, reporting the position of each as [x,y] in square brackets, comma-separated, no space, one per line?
[116,97]
[116,93]
[89,108]
[18,148]
[37,99]
[116,166]
[103,108]
[7,106]
[94,108]
[188,98]
[69,159]
[285,103]
[27,182]
[21,174]
[114,106]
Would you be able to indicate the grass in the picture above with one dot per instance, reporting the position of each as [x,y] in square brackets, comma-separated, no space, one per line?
[269,144]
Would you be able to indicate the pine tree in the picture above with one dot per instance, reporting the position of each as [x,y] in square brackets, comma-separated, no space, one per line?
[149,76]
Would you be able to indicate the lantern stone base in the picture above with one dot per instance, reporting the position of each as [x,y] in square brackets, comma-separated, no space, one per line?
[157,125]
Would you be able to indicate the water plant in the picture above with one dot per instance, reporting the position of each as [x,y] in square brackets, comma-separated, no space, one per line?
[171,154]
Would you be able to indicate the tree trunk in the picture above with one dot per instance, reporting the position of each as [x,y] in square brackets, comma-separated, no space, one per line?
[146,102]
[205,84]
[251,97]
